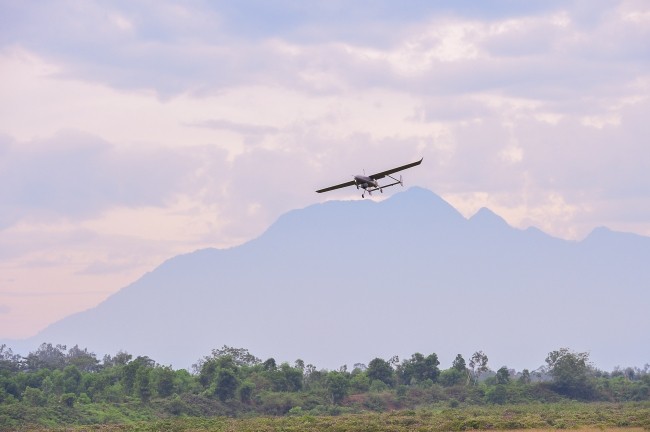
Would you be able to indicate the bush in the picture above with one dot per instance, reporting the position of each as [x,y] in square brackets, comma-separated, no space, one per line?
[34,397]
[378,386]
[68,399]
[175,406]
[496,395]
[278,403]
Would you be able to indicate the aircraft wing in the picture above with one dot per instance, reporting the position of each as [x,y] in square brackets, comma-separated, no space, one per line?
[338,186]
[394,170]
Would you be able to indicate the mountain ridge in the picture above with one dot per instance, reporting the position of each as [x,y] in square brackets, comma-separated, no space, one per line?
[346,281]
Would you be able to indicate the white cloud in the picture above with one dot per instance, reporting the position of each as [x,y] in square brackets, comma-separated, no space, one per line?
[121,22]
[601,121]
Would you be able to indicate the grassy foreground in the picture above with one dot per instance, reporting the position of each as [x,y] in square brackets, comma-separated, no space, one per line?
[571,415]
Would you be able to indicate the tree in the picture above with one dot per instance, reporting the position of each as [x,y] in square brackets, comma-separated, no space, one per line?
[503,375]
[459,363]
[120,359]
[47,356]
[34,396]
[285,378]
[379,369]
[497,394]
[68,399]
[85,361]
[269,364]
[246,391]
[451,377]
[240,356]
[142,384]
[570,372]
[226,384]
[337,384]
[207,373]
[418,369]
[130,374]
[359,381]
[292,377]
[478,365]
[9,361]
[164,381]
[71,379]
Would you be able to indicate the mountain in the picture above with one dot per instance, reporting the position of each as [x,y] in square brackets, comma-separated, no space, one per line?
[346,281]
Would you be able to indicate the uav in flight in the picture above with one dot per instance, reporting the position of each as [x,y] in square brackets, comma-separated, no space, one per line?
[370,184]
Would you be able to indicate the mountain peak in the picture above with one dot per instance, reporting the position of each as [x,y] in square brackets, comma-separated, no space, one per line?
[599,232]
[424,202]
[487,218]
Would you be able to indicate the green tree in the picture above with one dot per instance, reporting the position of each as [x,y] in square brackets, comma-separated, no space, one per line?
[68,399]
[503,375]
[240,356]
[34,396]
[337,384]
[122,358]
[142,386]
[381,370]
[451,377]
[269,364]
[84,361]
[497,394]
[208,372]
[164,378]
[246,390]
[478,365]
[292,377]
[459,363]
[9,362]
[71,379]
[570,372]
[359,381]
[226,384]
[47,356]
[130,373]
[419,369]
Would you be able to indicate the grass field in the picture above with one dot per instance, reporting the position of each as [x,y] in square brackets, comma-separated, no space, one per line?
[535,417]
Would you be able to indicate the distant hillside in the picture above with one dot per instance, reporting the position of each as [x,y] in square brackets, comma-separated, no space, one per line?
[343,282]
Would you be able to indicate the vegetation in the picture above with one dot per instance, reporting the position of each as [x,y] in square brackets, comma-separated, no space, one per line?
[233,389]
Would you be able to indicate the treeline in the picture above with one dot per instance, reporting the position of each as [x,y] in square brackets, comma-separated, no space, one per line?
[74,386]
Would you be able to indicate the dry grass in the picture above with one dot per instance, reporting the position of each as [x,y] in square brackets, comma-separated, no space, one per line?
[583,417]
[588,429]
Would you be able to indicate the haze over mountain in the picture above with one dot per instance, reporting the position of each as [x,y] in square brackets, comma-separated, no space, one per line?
[346,281]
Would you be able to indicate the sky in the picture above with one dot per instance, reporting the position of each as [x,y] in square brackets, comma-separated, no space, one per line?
[134,131]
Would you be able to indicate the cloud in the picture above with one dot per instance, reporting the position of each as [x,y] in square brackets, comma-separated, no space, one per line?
[244,128]
[174,49]
[76,175]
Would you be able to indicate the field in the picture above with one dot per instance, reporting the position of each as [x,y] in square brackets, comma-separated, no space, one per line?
[534,417]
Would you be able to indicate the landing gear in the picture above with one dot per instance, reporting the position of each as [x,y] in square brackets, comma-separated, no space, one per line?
[370,188]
